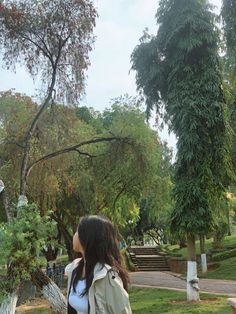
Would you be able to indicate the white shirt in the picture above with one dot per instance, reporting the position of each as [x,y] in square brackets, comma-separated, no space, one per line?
[78,302]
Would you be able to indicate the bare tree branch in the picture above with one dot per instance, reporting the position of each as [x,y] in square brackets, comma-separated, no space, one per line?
[121,191]
[14,143]
[74,148]
[86,154]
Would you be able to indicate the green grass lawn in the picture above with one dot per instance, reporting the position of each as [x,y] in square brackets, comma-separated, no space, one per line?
[226,270]
[147,301]
[157,301]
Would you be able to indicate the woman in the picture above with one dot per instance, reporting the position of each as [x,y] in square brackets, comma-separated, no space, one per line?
[97,283]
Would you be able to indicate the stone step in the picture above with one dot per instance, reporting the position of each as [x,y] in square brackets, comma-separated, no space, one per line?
[156,255]
[153,269]
[145,251]
[150,257]
[155,264]
[147,259]
[152,262]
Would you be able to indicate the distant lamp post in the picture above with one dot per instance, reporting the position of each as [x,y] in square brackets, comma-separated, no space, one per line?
[2,186]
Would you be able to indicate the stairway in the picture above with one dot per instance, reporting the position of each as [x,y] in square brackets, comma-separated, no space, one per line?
[147,258]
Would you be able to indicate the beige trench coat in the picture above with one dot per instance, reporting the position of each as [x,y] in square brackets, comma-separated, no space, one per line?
[106,294]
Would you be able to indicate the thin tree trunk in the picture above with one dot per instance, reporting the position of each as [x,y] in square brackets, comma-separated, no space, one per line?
[192,279]
[30,132]
[217,239]
[203,253]
[182,242]
[67,237]
[6,205]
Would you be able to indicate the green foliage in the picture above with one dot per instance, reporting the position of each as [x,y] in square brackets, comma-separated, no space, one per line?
[107,177]
[124,171]
[21,241]
[229,18]
[183,74]
[156,203]
[228,14]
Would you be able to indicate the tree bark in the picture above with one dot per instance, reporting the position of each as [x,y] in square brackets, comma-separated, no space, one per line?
[50,291]
[50,253]
[30,132]
[66,235]
[8,306]
[182,242]
[203,253]
[191,248]
[192,279]
[6,204]
[217,238]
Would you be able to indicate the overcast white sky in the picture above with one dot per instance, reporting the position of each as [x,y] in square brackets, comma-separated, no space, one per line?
[119,27]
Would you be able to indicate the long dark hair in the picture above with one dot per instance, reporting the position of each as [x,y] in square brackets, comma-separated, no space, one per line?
[99,240]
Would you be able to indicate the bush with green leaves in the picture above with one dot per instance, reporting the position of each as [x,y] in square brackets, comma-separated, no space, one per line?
[21,240]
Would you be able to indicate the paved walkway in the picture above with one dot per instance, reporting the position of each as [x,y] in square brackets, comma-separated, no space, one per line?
[173,281]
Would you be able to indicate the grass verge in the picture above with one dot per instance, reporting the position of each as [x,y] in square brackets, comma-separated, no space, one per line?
[153,301]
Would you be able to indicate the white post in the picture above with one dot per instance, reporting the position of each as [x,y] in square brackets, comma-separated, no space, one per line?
[22,201]
[2,186]
[192,282]
[204,262]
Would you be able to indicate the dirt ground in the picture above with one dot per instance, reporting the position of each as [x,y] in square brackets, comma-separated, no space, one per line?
[39,305]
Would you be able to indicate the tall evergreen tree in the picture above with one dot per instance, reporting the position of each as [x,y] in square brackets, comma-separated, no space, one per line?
[178,70]
[228,14]
[229,21]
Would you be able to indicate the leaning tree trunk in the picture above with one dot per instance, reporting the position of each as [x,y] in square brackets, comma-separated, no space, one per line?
[203,253]
[8,306]
[50,291]
[192,279]
[48,288]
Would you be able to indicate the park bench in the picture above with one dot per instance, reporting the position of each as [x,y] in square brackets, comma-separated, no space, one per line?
[232,302]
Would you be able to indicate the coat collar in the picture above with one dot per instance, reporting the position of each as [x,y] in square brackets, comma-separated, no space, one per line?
[100,271]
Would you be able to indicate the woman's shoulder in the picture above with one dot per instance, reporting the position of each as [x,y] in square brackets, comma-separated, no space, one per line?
[71,266]
[116,296]
[114,278]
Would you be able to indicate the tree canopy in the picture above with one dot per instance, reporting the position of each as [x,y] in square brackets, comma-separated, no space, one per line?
[49,36]
[179,69]
[107,177]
